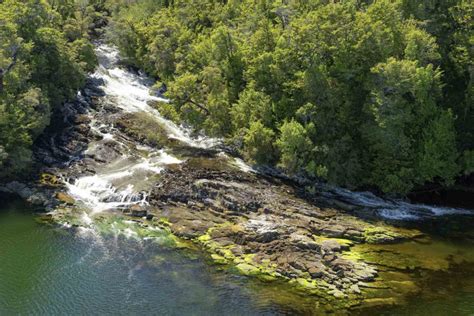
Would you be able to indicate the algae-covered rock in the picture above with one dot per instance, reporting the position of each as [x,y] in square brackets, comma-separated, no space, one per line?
[373,302]
[247,269]
[333,244]
[218,259]
[50,180]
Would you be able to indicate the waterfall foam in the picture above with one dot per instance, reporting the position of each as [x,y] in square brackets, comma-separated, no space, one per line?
[131,93]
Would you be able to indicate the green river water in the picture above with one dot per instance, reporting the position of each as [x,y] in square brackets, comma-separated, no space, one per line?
[57,271]
[47,271]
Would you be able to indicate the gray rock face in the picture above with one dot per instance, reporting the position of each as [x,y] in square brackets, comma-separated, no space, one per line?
[30,194]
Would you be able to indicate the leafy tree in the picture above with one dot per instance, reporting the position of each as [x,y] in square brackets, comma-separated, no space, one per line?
[258,143]
[412,139]
[293,145]
[252,106]
[40,68]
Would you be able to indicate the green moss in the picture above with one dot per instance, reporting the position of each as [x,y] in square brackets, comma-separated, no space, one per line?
[143,127]
[343,242]
[50,180]
[218,259]
[164,221]
[204,238]
[227,253]
[375,235]
[374,302]
[305,283]
[247,269]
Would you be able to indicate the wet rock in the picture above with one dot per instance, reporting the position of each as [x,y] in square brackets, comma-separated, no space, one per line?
[265,231]
[355,289]
[245,214]
[343,206]
[316,269]
[218,259]
[247,269]
[94,91]
[335,231]
[138,211]
[365,275]
[65,198]
[374,302]
[331,246]
[82,119]
[337,293]
[31,194]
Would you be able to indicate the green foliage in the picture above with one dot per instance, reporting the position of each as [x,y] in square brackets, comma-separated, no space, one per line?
[252,106]
[362,93]
[468,162]
[44,62]
[294,146]
[258,143]
[411,139]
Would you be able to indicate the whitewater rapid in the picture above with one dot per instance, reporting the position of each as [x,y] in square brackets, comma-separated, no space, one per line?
[122,182]
[131,93]
[391,209]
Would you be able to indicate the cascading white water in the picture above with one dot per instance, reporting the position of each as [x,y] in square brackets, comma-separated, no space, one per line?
[130,92]
[116,186]
[111,190]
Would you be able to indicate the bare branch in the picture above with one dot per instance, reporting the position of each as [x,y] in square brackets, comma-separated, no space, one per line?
[202,107]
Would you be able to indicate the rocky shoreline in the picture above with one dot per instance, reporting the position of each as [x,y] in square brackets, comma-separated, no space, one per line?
[255,224]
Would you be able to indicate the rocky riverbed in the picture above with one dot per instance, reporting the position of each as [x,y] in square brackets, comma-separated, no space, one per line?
[111,155]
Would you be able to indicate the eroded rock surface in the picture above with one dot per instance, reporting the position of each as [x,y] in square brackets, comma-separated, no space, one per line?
[263,227]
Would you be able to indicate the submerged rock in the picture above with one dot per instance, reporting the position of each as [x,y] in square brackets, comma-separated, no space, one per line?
[138,211]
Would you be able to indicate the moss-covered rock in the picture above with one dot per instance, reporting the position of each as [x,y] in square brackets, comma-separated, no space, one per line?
[50,180]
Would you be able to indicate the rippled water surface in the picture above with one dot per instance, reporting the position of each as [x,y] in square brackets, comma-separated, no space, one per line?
[50,271]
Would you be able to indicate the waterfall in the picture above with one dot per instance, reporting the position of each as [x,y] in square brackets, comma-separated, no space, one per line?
[115,186]
[391,209]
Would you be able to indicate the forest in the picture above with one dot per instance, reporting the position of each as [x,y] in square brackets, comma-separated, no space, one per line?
[363,94]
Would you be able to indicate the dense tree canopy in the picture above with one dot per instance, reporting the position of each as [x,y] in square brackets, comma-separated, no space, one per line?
[365,93]
[44,56]
[374,94]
